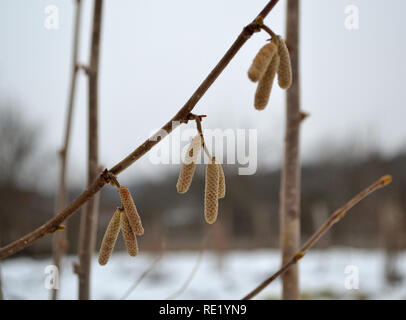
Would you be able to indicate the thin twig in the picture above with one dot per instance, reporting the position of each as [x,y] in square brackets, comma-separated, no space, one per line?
[268,30]
[289,210]
[145,273]
[189,279]
[50,226]
[88,223]
[334,218]
[200,130]
[59,244]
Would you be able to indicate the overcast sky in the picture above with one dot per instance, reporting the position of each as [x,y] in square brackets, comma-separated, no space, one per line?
[154,54]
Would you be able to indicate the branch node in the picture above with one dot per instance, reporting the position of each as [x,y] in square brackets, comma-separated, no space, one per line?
[304,115]
[110,178]
[299,255]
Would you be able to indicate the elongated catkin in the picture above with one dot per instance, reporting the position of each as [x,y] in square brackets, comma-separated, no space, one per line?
[109,239]
[131,211]
[285,68]
[261,62]
[265,84]
[188,167]
[194,150]
[128,235]
[222,183]
[211,193]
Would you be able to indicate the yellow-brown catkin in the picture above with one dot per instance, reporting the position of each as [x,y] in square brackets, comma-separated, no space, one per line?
[188,167]
[222,182]
[265,84]
[285,67]
[131,211]
[211,193]
[109,239]
[261,62]
[128,235]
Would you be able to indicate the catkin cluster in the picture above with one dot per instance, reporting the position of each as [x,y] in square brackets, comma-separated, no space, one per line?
[128,221]
[272,59]
[215,189]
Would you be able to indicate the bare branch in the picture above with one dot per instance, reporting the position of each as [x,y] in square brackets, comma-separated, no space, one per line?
[59,244]
[289,210]
[88,223]
[146,272]
[334,218]
[182,114]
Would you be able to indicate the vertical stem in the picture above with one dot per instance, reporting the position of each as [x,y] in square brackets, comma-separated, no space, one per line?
[290,180]
[89,218]
[59,244]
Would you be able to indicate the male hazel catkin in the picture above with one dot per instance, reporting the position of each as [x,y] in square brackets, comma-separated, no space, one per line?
[131,211]
[128,235]
[265,84]
[285,68]
[261,62]
[211,192]
[110,238]
[222,182]
[188,167]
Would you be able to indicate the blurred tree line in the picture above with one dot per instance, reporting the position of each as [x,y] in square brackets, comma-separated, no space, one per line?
[246,215]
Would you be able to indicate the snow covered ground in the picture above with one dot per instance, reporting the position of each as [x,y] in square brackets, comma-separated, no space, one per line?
[324,274]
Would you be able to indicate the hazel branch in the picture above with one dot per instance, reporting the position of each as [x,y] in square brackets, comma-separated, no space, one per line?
[182,114]
[334,218]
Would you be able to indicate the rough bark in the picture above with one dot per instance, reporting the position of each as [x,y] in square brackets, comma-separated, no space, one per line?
[87,237]
[59,243]
[290,181]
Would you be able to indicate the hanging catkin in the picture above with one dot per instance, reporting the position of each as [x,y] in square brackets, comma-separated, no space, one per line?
[265,84]
[128,235]
[188,167]
[285,68]
[222,182]
[211,192]
[131,211]
[261,62]
[109,239]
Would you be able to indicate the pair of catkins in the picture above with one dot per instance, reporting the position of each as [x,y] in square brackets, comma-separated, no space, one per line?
[128,221]
[272,59]
[215,187]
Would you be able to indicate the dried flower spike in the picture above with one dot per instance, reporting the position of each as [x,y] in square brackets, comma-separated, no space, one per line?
[188,167]
[131,211]
[109,239]
[211,192]
[222,183]
[285,68]
[128,235]
[261,62]
[265,84]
